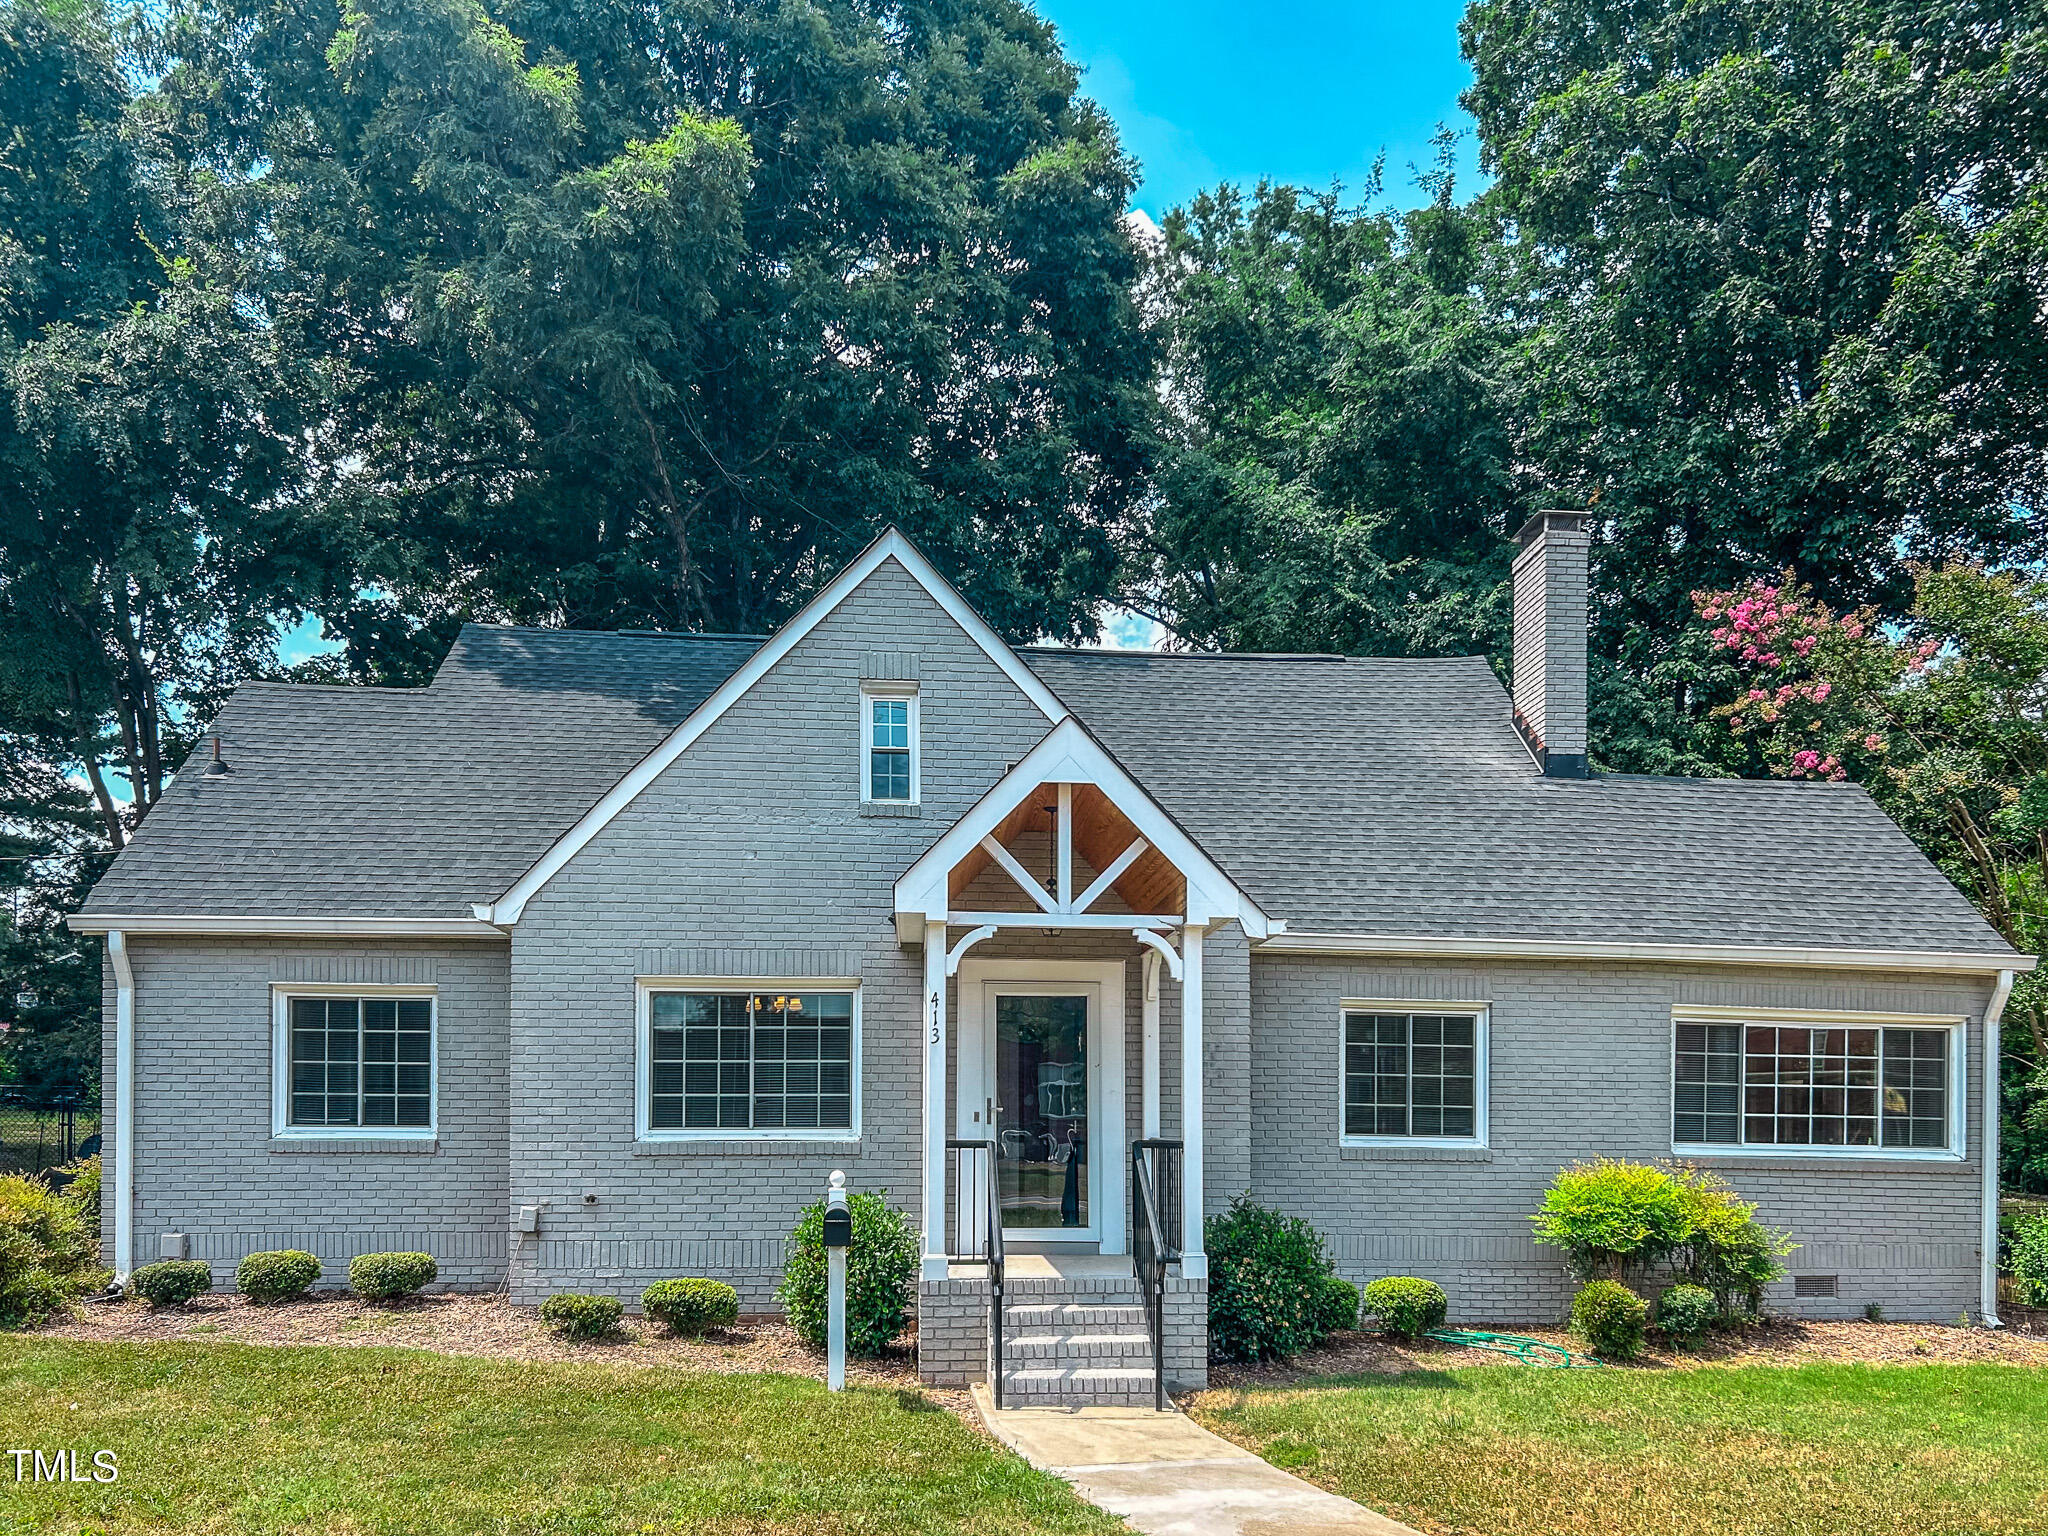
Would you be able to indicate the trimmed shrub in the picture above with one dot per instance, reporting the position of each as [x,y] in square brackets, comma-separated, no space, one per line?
[1266,1274]
[1337,1306]
[1726,1251]
[386,1276]
[1406,1307]
[2028,1250]
[1686,1311]
[82,1188]
[688,1307]
[577,1316]
[172,1282]
[1611,1218]
[881,1274]
[1610,1318]
[278,1276]
[49,1252]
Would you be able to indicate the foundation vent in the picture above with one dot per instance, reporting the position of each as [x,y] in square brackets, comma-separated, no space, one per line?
[1816,1285]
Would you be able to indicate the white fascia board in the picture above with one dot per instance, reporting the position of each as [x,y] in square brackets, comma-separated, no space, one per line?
[1069,755]
[892,545]
[1969,962]
[309,927]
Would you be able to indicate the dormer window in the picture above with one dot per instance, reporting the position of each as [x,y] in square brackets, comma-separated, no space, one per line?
[889,744]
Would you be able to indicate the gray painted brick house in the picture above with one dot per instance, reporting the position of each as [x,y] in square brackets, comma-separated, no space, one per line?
[585,964]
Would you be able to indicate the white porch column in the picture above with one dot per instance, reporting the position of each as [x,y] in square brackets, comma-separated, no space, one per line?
[1194,1261]
[934,1025]
[1148,1072]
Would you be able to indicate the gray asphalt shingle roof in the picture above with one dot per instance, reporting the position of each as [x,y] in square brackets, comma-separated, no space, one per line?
[1393,796]
[1346,795]
[385,802]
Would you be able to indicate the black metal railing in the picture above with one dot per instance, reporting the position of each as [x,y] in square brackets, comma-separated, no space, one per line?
[984,1153]
[1155,1239]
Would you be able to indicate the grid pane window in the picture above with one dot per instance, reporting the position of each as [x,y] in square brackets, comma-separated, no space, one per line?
[1411,1074]
[361,1061]
[1776,1085]
[750,1061]
[888,749]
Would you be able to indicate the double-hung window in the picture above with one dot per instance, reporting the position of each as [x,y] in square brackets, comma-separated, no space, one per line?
[1415,1076]
[355,1064]
[767,1060]
[889,745]
[1849,1086]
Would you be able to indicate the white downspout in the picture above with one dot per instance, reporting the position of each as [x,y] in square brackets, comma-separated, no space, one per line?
[124,1106]
[1988,1301]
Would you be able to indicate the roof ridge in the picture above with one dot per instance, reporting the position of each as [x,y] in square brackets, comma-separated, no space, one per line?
[609,634]
[1102,652]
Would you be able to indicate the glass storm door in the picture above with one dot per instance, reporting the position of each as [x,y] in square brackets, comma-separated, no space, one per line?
[1041,1114]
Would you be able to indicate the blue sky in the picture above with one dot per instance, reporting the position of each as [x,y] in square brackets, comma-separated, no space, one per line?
[1299,90]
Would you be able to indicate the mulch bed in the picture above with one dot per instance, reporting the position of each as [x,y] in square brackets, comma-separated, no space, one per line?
[483,1325]
[1775,1341]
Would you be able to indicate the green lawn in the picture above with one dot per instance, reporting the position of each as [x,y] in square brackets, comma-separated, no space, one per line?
[222,1438]
[1820,1450]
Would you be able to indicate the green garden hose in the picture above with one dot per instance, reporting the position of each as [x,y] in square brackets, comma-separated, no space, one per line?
[1535,1352]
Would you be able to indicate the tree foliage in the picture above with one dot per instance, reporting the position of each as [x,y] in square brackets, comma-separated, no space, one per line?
[1941,716]
[652,314]
[1336,475]
[1782,267]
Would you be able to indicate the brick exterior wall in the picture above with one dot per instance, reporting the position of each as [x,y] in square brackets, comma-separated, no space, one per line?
[1581,1067]
[750,856]
[1550,599]
[206,1163]
[753,857]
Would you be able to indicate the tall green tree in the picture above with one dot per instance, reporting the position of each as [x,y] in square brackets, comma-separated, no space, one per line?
[1784,268]
[1336,473]
[650,314]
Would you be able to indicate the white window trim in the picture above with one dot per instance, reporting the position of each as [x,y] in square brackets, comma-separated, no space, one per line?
[644,988]
[1956,1024]
[1482,1014]
[281,1128]
[870,691]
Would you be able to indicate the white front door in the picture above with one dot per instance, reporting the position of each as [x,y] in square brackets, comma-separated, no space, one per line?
[1041,1071]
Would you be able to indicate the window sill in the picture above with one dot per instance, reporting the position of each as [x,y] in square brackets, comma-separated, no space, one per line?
[1413,1152]
[749,1146]
[1876,1160]
[907,808]
[416,1146]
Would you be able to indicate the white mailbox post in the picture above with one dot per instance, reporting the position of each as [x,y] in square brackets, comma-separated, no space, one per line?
[838,1238]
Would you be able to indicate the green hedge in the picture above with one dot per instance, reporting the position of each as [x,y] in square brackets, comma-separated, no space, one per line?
[1405,1306]
[688,1307]
[577,1316]
[384,1276]
[1610,1318]
[881,1274]
[1266,1282]
[172,1282]
[277,1276]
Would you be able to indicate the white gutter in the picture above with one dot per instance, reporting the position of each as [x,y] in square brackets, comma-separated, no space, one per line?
[1993,1017]
[124,1105]
[1967,961]
[309,927]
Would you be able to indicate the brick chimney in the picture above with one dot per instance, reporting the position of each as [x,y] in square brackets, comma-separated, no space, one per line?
[1550,640]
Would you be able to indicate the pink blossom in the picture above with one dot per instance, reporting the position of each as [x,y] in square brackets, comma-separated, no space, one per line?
[1873,743]
[1806,761]
[1805,643]
[1758,693]
[1821,692]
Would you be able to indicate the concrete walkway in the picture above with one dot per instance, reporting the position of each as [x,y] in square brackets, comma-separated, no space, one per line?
[1168,1476]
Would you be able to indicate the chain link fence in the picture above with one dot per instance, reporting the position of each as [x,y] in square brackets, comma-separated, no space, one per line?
[40,1134]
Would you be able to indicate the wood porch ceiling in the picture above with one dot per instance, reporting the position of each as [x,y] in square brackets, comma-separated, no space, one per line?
[1101,834]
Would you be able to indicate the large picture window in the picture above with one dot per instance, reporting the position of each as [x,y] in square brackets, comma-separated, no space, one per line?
[359,1063]
[1413,1075]
[774,1060]
[1754,1083]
